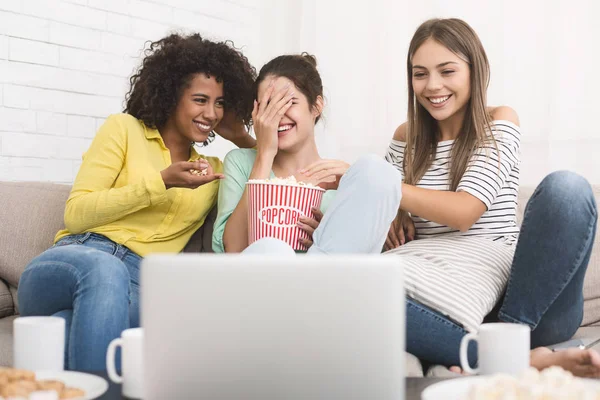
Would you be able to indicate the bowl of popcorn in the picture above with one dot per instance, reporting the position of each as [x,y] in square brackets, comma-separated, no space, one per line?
[275,207]
[23,384]
[552,383]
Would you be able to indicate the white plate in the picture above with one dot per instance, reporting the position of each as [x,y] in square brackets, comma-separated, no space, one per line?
[93,386]
[458,388]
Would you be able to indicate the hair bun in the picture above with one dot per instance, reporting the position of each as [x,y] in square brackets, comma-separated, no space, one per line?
[310,58]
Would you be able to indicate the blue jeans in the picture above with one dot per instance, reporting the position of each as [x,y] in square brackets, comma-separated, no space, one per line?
[93,283]
[545,287]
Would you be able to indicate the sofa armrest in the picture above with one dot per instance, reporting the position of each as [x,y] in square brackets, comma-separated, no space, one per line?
[7,305]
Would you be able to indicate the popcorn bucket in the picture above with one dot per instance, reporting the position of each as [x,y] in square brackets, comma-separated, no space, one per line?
[274,210]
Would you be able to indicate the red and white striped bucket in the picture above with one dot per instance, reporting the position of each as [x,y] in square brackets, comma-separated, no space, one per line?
[274,210]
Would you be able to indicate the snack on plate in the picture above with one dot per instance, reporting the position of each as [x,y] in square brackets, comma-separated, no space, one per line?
[290,181]
[21,384]
[18,389]
[57,386]
[551,384]
[71,393]
[13,374]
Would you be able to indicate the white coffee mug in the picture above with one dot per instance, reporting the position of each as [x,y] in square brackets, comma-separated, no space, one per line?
[131,342]
[39,343]
[502,348]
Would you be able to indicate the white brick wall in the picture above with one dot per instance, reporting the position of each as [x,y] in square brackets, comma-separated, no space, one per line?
[31,51]
[64,67]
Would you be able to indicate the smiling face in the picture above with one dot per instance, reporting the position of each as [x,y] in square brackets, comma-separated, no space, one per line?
[298,124]
[199,110]
[441,81]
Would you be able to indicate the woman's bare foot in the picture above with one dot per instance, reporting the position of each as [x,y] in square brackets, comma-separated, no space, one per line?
[583,363]
[457,370]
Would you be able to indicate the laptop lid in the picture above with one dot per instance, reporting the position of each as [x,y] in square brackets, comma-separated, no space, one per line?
[270,327]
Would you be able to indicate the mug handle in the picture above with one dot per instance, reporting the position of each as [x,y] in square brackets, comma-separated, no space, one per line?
[110,360]
[464,360]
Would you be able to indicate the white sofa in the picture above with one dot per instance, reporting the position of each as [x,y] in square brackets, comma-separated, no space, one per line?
[32,212]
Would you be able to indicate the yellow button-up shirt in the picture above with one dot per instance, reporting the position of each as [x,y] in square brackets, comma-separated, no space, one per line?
[119,192]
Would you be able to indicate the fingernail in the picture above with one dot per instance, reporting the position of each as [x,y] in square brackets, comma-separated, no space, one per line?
[314,208]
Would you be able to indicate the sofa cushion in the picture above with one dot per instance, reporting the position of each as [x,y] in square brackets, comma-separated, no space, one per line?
[201,241]
[207,230]
[588,334]
[15,298]
[6,300]
[194,245]
[591,288]
[6,340]
[32,213]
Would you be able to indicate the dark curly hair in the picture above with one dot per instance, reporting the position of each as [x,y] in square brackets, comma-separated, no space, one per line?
[170,64]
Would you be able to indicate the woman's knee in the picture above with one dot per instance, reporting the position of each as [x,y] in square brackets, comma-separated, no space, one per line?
[53,267]
[106,270]
[374,166]
[74,264]
[376,175]
[566,189]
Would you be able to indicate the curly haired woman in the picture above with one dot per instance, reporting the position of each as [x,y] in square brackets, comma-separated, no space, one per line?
[141,188]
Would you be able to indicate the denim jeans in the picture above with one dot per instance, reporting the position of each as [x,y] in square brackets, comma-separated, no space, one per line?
[93,283]
[545,287]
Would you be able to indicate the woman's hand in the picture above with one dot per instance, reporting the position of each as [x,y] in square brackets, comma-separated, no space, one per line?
[182,174]
[326,173]
[232,128]
[309,225]
[401,231]
[267,115]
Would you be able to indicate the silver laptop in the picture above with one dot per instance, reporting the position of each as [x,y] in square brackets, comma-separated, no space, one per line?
[228,327]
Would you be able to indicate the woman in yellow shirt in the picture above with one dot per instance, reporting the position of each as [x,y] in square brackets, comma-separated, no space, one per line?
[141,188]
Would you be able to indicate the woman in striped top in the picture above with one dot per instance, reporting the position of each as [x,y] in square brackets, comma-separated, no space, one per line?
[460,164]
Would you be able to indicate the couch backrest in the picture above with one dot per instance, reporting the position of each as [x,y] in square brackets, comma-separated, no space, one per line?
[30,215]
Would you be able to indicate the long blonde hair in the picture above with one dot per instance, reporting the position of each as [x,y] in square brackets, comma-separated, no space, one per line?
[422,132]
